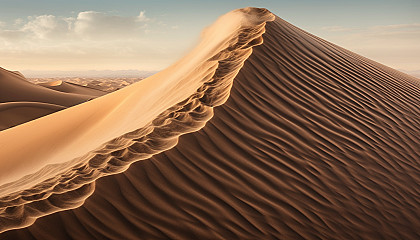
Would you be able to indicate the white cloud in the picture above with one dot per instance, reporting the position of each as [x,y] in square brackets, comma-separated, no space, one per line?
[87,40]
[97,25]
[142,17]
[47,26]
[90,25]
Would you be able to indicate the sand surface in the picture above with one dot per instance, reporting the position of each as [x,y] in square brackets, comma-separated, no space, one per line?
[68,87]
[308,141]
[21,101]
[104,84]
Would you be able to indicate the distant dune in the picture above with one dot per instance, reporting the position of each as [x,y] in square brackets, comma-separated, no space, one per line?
[68,87]
[88,73]
[22,101]
[104,84]
[263,131]
[15,88]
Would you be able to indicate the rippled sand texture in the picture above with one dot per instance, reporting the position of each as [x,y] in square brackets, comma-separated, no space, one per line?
[65,184]
[314,142]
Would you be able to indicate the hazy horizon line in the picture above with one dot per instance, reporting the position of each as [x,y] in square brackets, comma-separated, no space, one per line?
[28,73]
[87,73]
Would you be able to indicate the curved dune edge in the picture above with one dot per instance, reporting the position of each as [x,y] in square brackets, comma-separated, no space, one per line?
[75,182]
[15,113]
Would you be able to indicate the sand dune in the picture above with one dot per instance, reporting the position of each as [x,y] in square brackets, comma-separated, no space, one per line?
[22,101]
[310,142]
[68,87]
[104,84]
[14,88]
[15,113]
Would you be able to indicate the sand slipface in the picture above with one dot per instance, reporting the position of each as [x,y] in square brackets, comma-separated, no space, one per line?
[310,142]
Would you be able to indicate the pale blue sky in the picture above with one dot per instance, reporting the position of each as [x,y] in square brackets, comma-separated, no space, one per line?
[150,35]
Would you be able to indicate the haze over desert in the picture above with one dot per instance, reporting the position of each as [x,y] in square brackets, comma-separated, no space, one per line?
[261,131]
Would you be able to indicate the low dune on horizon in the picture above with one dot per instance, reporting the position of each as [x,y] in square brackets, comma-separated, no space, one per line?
[262,131]
[25,99]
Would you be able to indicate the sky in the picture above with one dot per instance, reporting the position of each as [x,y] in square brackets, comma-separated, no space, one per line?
[48,35]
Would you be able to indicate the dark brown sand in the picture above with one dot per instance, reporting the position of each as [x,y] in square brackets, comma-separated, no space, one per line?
[314,142]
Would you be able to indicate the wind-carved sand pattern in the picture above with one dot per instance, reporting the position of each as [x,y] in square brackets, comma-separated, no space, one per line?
[313,142]
[72,186]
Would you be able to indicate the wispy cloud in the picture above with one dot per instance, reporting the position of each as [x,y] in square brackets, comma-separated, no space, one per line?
[396,45]
[85,38]
[398,26]
[97,25]
[336,28]
[46,26]
[88,24]
[379,29]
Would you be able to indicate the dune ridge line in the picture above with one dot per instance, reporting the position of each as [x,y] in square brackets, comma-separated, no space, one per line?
[217,68]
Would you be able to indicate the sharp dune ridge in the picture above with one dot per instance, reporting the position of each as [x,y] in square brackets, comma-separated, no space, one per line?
[21,208]
[309,141]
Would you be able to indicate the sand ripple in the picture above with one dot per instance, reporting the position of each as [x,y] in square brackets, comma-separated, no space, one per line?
[70,188]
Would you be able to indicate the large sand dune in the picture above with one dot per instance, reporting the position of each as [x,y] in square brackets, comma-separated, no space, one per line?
[310,142]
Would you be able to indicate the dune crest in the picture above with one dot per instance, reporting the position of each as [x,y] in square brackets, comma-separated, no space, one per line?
[53,83]
[104,136]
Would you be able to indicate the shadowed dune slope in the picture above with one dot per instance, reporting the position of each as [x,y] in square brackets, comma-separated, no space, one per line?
[15,113]
[314,142]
